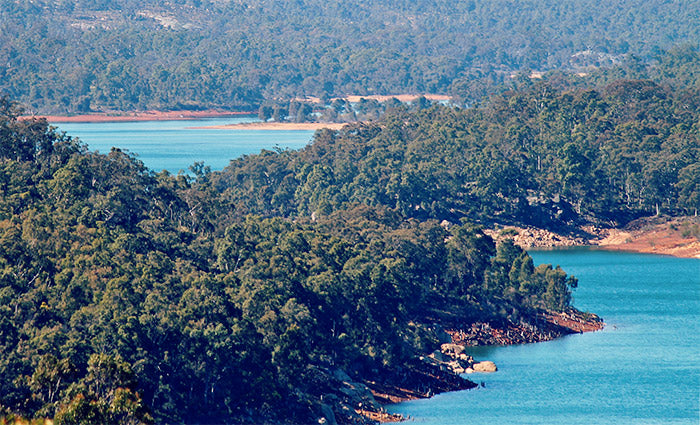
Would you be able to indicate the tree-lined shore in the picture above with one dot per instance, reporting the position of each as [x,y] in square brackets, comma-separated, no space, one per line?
[543,157]
[134,296]
[129,296]
[135,116]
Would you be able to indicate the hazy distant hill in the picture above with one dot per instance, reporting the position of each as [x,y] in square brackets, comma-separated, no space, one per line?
[69,56]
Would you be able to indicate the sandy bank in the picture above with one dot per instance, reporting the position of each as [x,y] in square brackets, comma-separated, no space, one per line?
[675,236]
[286,126]
[137,116]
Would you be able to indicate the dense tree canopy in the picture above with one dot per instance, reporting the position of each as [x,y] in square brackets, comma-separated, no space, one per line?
[62,56]
[133,297]
[540,156]
[128,296]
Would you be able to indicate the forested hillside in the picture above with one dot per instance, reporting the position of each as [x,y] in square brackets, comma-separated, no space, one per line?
[542,156]
[255,293]
[133,297]
[78,56]
[261,293]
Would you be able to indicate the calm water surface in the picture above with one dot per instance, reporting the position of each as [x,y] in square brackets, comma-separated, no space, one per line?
[173,146]
[644,368]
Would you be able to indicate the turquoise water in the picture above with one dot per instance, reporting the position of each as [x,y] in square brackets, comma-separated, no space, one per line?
[644,368]
[173,146]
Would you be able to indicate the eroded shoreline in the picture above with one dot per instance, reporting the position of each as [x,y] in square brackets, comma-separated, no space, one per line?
[674,236]
[442,370]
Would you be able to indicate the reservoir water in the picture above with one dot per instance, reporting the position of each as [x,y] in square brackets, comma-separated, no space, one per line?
[174,145]
[644,368]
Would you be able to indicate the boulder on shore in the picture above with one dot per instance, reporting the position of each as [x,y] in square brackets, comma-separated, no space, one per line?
[487,367]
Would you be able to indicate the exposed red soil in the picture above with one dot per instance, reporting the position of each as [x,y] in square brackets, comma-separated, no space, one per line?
[545,327]
[136,116]
[677,236]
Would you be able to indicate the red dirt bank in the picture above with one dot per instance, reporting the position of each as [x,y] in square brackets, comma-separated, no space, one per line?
[138,116]
[421,380]
[676,236]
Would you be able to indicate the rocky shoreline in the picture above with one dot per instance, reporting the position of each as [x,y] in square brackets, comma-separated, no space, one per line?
[443,369]
[346,400]
[545,327]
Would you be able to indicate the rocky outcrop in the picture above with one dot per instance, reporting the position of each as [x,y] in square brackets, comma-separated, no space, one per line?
[346,400]
[420,378]
[343,399]
[486,366]
[544,326]
[451,358]
[676,236]
[529,237]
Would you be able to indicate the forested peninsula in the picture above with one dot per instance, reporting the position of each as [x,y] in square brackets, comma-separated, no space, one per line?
[134,297]
[295,286]
[541,156]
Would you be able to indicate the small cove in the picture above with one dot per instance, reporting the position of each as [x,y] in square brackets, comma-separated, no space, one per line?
[175,146]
